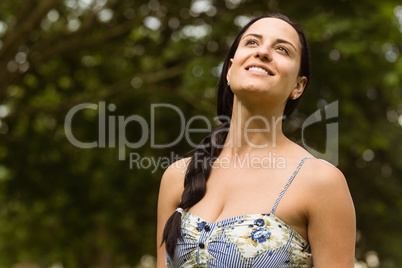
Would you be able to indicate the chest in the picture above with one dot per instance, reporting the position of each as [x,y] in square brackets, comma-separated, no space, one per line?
[231,194]
[255,189]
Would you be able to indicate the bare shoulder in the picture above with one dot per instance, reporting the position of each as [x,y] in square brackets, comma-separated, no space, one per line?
[325,186]
[170,191]
[322,174]
[318,174]
[177,170]
[173,178]
[330,215]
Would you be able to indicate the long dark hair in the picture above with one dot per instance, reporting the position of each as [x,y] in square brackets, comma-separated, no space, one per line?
[200,164]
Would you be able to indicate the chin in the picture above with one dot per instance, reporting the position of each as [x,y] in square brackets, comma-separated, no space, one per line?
[252,87]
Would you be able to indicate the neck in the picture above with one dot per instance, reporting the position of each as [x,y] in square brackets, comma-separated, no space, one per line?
[255,129]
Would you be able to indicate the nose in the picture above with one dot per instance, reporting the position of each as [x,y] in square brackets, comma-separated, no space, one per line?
[263,54]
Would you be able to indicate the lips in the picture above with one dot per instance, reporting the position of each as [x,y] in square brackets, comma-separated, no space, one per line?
[260,68]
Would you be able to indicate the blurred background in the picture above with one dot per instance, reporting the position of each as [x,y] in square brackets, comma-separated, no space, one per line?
[65,206]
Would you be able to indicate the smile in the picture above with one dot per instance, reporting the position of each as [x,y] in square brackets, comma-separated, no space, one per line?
[258,70]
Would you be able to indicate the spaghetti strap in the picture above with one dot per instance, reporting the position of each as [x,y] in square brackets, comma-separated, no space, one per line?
[288,183]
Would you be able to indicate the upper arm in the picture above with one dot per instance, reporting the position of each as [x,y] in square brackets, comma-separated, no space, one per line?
[170,191]
[331,219]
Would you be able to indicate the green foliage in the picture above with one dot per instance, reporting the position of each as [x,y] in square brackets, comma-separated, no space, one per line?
[87,208]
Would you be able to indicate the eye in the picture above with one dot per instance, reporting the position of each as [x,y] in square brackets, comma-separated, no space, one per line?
[283,49]
[251,42]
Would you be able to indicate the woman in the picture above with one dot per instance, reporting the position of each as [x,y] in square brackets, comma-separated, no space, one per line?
[232,204]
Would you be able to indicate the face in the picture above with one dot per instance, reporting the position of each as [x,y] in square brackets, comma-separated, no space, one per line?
[267,62]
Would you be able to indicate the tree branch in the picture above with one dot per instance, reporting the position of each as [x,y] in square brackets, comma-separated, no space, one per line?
[66,45]
[111,90]
[18,34]
[77,43]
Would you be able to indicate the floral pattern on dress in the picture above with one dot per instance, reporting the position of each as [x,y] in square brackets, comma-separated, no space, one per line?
[253,236]
[248,237]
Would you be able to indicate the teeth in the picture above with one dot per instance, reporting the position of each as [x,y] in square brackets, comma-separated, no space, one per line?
[258,69]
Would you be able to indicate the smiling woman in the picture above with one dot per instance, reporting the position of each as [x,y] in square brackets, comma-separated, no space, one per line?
[269,58]
[255,215]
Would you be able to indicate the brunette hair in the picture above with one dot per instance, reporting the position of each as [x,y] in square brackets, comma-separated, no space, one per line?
[208,150]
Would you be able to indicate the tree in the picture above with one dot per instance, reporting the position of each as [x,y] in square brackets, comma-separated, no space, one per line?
[85,207]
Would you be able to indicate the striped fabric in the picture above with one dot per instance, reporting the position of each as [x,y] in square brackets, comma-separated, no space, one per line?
[255,240]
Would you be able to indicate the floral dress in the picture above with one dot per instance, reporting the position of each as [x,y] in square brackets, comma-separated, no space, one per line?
[255,240]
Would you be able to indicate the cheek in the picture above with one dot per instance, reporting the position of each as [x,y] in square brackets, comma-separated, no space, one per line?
[239,58]
[291,70]
[234,70]
[289,76]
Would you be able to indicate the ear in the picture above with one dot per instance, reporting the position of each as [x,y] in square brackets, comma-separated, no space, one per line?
[299,88]
[229,70]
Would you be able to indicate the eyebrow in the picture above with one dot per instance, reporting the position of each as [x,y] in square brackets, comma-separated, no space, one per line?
[259,36]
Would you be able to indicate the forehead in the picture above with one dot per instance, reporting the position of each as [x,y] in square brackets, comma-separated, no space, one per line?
[274,28]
